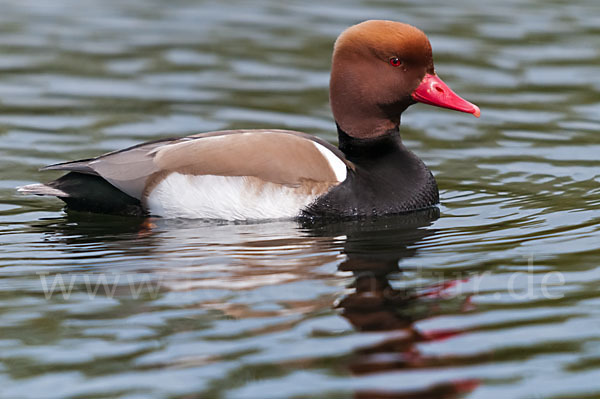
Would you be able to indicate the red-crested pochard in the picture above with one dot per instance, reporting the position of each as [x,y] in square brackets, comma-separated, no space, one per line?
[379,69]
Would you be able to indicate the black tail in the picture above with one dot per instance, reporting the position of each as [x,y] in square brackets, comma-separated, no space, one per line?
[88,193]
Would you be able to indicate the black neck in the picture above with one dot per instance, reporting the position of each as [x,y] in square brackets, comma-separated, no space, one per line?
[386,178]
[357,149]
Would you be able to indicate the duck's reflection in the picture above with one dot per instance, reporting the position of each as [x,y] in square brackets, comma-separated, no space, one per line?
[373,251]
[246,257]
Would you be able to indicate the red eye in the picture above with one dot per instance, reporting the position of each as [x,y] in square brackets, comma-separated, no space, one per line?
[395,62]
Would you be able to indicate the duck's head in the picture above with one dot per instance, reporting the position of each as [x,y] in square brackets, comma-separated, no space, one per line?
[380,68]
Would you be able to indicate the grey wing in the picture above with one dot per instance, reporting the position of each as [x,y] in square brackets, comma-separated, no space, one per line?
[278,156]
[127,170]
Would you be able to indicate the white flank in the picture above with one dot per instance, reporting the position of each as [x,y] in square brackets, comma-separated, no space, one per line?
[226,198]
[337,165]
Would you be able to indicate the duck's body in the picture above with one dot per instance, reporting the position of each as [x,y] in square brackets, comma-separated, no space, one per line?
[231,175]
[272,174]
[310,178]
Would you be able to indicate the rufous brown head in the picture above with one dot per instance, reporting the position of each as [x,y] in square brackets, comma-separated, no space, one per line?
[379,68]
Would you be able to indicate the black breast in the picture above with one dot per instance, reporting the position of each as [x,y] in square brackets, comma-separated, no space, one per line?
[388,179]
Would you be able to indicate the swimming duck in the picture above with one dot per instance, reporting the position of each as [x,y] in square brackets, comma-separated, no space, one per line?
[379,69]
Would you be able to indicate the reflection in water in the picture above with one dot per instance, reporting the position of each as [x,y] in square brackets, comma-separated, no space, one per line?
[373,250]
[222,267]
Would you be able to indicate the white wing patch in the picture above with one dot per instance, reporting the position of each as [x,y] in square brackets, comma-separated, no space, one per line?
[226,198]
[336,164]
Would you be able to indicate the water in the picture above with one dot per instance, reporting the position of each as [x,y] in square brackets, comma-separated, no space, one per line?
[497,298]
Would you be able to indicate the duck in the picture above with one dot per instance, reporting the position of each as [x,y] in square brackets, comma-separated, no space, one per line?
[379,69]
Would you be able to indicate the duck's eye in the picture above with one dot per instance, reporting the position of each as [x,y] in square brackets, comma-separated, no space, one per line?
[395,62]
